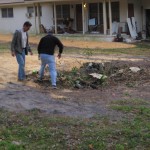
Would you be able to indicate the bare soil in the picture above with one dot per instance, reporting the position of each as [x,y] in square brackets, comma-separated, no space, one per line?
[86,102]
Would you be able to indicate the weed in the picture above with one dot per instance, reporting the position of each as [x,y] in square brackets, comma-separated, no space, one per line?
[88,52]
[74,70]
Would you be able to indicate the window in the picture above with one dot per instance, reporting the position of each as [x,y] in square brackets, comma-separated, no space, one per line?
[93,12]
[63,11]
[7,13]
[30,10]
[115,11]
[58,11]
[96,12]
[100,13]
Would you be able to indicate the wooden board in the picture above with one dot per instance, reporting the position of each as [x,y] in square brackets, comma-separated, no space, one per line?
[132,28]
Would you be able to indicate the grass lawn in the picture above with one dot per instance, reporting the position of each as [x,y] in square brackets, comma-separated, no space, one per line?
[140,49]
[33,130]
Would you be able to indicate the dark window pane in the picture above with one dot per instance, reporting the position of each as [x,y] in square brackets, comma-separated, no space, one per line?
[100,13]
[30,9]
[4,12]
[93,11]
[115,11]
[7,12]
[63,11]
[10,12]
[66,11]
[58,11]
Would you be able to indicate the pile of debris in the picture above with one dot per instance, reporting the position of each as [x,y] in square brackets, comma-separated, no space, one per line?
[94,75]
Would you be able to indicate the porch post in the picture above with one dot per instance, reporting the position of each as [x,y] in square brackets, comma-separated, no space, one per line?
[35,10]
[110,18]
[83,17]
[104,17]
[39,20]
[55,18]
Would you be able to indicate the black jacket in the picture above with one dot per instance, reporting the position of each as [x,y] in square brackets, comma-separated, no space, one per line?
[48,43]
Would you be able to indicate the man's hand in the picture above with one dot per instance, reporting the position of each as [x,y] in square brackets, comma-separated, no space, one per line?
[13,54]
[59,56]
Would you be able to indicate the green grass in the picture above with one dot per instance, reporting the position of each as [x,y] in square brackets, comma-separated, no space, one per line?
[4,47]
[36,131]
[140,49]
[33,130]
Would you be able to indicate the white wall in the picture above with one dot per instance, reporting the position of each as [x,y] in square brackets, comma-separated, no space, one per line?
[9,25]
[123,10]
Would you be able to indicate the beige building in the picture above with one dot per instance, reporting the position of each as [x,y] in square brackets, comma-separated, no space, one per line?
[82,16]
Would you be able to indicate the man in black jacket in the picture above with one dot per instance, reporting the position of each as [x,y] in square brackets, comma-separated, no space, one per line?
[46,50]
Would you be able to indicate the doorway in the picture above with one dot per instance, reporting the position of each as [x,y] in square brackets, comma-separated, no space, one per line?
[148,22]
[130,10]
[79,24]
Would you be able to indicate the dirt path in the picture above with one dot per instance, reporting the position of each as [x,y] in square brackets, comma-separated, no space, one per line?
[16,96]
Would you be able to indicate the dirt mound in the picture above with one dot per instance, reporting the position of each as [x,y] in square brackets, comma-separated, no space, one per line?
[95,75]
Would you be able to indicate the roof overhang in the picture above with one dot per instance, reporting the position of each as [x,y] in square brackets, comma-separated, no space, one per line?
[23,2]
[11,2]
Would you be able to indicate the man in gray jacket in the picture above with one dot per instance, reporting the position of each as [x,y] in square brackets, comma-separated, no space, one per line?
[20,47]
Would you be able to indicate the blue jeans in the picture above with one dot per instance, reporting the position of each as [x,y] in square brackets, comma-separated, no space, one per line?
[21,62]
[50,61]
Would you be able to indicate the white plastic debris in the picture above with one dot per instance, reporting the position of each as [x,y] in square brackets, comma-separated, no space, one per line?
[98,76]
[135,69]
[120,71]
[90,64]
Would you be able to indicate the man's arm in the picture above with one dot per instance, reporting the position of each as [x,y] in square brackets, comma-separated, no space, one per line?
[14,39]
[39,46]
[28,45]
[60,45]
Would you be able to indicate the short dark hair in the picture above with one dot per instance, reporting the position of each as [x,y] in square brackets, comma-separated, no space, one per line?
[27,23]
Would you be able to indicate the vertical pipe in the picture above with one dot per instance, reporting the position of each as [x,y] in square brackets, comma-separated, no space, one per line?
[83,17]
[104,17]
[39,20]
[110,18]
[35,10]
[55,18]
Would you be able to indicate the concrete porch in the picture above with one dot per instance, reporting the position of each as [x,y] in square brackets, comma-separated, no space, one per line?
[87,37]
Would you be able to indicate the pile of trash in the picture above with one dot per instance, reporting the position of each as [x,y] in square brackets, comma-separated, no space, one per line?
[95,75]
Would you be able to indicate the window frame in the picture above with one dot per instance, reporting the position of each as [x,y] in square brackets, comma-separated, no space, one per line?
[63,12]
[7,12]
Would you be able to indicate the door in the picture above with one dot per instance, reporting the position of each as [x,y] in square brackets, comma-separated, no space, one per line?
[130,10]
[148,22]
[79,24]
